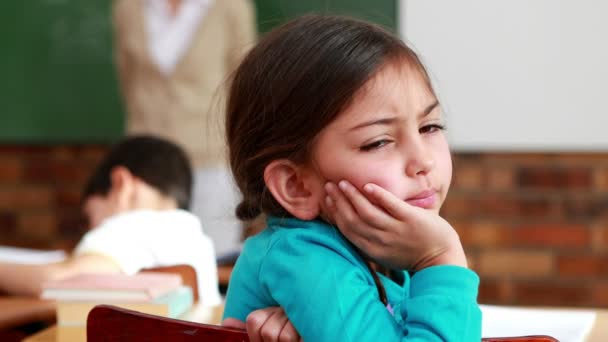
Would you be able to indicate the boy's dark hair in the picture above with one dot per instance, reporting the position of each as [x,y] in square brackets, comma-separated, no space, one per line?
[156,161]
[292,85]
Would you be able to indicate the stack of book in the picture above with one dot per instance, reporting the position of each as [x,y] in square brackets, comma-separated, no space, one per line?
[154,293]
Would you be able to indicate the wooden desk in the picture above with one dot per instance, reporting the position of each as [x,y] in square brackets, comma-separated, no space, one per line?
[198,313]
[18,311]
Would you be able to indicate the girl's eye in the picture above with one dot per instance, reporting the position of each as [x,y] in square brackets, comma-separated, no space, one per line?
[375,145]
[432,128]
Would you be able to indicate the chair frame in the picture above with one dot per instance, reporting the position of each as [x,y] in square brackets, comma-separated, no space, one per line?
[111,323]
[187,272]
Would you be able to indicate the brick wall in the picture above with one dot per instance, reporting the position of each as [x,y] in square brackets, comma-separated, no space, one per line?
[535,226]
[40,193]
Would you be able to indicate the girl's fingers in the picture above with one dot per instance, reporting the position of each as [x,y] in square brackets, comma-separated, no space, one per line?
[289,333]
[397,208]
[255,322]
[234,323]
[271,330]
[343,211]
[370,213]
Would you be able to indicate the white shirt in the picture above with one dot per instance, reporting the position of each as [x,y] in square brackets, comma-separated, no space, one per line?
[150,238]
[170,36]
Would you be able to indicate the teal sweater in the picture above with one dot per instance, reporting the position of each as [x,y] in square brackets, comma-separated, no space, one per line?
[328,293]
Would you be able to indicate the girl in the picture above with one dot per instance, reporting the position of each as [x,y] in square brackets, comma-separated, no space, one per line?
[333,123]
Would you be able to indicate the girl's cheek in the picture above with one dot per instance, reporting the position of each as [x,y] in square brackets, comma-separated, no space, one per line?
[382,177]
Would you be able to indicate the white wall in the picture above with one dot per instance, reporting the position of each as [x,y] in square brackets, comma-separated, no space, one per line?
[516,74]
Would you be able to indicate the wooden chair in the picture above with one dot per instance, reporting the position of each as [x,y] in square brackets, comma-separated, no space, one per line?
[110,323]
[187,272]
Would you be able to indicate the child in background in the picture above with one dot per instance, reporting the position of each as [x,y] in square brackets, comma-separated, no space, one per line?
[136,204]
[333,126]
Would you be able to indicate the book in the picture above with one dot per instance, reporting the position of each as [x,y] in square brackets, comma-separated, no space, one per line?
[172,304]
[140,287]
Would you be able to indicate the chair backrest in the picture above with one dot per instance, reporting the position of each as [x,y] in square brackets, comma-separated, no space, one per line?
[111,323]
[187,272]
[535,338]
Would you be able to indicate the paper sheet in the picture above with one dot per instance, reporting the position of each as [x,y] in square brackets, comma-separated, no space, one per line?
[566,325]
[30,256]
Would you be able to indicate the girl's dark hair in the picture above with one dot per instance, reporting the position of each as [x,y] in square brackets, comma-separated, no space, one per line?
[156,161]
[290,86]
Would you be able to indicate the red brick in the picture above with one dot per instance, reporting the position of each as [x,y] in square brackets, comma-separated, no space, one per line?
[502,178]
[600,294]
[93,153]
[83,153]
[552,293]
[553,235]
[583,206]
[523,159]
[24,151]
[579,158]
[461,206]
[483,234]
[538,207]
[555,178]
[499,206]
[51,171]
[589,266]
[25,197]
[599,236]
[495,291]
[600,179]
[515,263]
[8,223]
[11,170]
[38,225]
[468,177]
[68,196]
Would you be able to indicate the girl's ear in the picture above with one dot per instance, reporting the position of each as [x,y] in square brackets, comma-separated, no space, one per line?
[293,188]
[122,191]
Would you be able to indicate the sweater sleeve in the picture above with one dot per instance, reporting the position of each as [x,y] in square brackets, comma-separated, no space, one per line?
[442,305]
[329,296]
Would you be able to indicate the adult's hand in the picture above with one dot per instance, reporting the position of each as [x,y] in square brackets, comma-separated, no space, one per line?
[391,231]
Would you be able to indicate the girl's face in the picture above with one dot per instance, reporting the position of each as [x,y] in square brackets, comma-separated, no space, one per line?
[391,135]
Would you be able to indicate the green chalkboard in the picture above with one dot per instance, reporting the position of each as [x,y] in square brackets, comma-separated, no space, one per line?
[58,82]
[271,13]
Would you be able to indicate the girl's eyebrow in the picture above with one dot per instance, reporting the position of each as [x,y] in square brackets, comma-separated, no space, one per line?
[429,109]
[390,120]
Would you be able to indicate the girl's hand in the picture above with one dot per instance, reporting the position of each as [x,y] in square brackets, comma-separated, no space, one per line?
[391,231]
[266,325]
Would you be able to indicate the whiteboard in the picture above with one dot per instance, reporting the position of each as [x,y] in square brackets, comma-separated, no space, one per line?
[518,74]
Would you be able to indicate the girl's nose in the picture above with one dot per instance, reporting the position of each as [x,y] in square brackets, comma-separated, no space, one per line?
[419,159]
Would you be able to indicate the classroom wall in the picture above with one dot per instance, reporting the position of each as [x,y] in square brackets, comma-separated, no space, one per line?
[534,225]
[516,75]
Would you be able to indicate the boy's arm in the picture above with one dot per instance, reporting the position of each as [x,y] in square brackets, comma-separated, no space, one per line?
[27,280]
